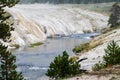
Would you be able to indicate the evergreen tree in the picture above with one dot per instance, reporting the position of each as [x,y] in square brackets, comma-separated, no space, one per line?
[7,65]
[7,60]
[115,16]
[112,54]
[111,57]
[62,67]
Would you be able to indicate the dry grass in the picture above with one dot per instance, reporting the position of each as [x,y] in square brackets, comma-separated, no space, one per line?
[35,44]
[92,44]
[15,45]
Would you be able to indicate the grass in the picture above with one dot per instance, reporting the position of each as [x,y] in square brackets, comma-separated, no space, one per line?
[87,46]
[15,45]
[77,49]
[74,58]
[98,66]
[35,44]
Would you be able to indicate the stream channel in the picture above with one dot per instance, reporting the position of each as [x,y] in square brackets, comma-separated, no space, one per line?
[34,62]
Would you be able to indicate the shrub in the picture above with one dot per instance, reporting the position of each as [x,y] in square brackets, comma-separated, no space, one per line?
[112,54]
[80,48]
[77,49]
[63,67]
[111,57]
[98,66]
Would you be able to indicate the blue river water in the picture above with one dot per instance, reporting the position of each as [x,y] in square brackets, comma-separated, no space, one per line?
[34,62]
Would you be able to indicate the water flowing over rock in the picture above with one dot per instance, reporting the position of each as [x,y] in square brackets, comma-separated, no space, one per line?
[36,22]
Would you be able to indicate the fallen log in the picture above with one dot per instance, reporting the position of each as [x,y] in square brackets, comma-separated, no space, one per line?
[82,59]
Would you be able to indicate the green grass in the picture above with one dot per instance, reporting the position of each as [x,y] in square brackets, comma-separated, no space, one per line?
[87,46]
[77,49]
[82,47]
[15,45]
[98,66]
[36,44]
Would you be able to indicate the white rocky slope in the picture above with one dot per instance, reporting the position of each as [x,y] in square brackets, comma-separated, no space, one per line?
[96,54]
[35,22]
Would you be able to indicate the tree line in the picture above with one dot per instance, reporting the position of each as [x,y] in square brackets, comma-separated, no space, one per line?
[67,1]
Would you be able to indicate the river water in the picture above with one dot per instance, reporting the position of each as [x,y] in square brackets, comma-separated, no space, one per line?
[34,62]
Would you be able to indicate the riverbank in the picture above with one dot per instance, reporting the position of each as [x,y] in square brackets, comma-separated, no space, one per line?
[96,77]
[95,55]
[110,73]
[36,60]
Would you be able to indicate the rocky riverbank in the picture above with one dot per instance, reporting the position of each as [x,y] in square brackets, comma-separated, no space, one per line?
[95,55]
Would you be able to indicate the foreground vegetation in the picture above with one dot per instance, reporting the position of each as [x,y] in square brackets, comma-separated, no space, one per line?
[63,67]
[7,59]
[111,57]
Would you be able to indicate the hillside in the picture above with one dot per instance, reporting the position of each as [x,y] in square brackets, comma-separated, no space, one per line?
[95,55]
[36,24]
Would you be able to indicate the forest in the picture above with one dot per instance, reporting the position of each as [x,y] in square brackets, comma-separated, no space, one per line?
[67,1]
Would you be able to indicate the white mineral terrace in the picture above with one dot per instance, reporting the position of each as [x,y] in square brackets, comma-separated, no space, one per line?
[35,22]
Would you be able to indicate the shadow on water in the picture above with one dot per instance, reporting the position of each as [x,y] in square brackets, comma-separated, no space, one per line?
[34,62]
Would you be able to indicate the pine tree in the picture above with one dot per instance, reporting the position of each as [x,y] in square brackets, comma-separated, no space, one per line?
[62,67]
[115,16]
[7,59]
[112,54]
[8,67]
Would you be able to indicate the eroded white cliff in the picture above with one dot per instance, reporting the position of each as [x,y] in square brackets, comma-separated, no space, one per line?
[35,22]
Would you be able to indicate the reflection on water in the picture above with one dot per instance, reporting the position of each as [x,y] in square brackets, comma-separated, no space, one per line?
[34,62]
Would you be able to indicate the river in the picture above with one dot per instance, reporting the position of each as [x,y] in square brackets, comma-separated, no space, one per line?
[36,22]
[34,62]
